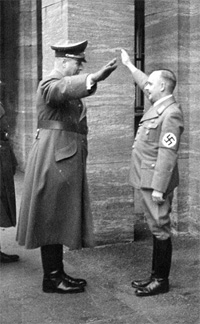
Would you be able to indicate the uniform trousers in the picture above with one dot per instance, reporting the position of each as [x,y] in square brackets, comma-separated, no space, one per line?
[158,219]
[157,216]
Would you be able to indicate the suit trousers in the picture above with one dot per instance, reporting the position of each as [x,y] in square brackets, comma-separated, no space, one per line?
[157,216]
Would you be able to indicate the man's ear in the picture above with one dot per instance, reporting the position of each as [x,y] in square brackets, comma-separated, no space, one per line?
[162,86]
[64,62]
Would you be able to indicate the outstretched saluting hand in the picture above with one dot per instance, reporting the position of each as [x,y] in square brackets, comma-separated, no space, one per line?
[125,57]
[105,71]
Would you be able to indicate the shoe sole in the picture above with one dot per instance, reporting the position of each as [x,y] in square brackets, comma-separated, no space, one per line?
[60,291]
[152,294]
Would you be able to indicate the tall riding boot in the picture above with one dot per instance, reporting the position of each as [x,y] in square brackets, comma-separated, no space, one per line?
[52,258]
[144,282]
[154,256]
[55,279]
[163,258]
[160,283]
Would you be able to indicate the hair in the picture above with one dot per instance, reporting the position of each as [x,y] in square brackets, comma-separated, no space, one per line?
[169,77]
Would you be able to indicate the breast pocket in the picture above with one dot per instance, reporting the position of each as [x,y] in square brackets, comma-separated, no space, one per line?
[152,132]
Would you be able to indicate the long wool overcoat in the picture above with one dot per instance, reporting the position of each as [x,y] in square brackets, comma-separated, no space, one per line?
[55,207]
[7,169]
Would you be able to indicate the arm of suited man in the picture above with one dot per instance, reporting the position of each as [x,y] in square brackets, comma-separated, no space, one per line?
[139,77]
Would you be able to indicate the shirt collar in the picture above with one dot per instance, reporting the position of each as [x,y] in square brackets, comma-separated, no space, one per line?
[161,100]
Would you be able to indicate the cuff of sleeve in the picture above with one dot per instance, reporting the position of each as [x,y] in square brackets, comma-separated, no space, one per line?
[89,82]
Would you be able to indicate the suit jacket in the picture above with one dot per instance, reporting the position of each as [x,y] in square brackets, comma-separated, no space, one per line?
[155,149]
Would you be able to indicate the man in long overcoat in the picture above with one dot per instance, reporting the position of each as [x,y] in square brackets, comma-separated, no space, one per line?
[7,188]
[154,168]
[55,207]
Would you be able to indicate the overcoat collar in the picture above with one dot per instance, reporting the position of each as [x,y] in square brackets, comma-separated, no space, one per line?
[155,112]
[56,74]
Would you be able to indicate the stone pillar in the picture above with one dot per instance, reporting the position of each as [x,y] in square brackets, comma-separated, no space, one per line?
[193,13]
[9,40]
[171,41]
[29,72]
[108,26]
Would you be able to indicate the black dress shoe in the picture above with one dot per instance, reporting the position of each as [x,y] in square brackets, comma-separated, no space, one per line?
[157,286]
[6,258]
[141,283]
[75,281]
[56,282]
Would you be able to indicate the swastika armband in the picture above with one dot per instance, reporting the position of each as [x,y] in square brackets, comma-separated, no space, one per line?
[169,140]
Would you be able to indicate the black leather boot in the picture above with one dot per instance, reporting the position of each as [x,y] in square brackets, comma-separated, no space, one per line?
[160,283]
[155,287]
[56,282]
[55,279]
[163,258]
[75,281]
[8,258]
[144,282]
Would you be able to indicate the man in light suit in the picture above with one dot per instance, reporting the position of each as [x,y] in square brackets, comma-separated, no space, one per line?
[55,206]
[154,168]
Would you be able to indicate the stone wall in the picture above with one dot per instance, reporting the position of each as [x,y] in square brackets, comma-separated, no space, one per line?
[171,34]
[29,62]
[193,14]
[20,70]
[9,53]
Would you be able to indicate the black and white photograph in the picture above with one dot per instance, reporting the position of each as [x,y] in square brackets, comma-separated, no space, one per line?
[99,162]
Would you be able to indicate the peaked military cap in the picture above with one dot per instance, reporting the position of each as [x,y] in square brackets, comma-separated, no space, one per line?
[71,50]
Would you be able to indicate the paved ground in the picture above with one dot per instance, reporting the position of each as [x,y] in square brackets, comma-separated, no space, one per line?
[109,298]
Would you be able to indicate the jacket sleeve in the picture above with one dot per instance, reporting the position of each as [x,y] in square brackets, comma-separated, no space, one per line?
[172,128]
[140,78]
[56,91]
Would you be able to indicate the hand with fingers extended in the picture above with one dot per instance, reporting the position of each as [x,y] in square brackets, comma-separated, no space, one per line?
[125,57]
[104,72]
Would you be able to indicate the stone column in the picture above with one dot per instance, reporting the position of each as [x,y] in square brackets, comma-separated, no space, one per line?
[193,108]
[172,31]
[29,72]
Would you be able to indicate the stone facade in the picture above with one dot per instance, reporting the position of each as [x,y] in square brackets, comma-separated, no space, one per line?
[20,70]
[171,41]
[172,34]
